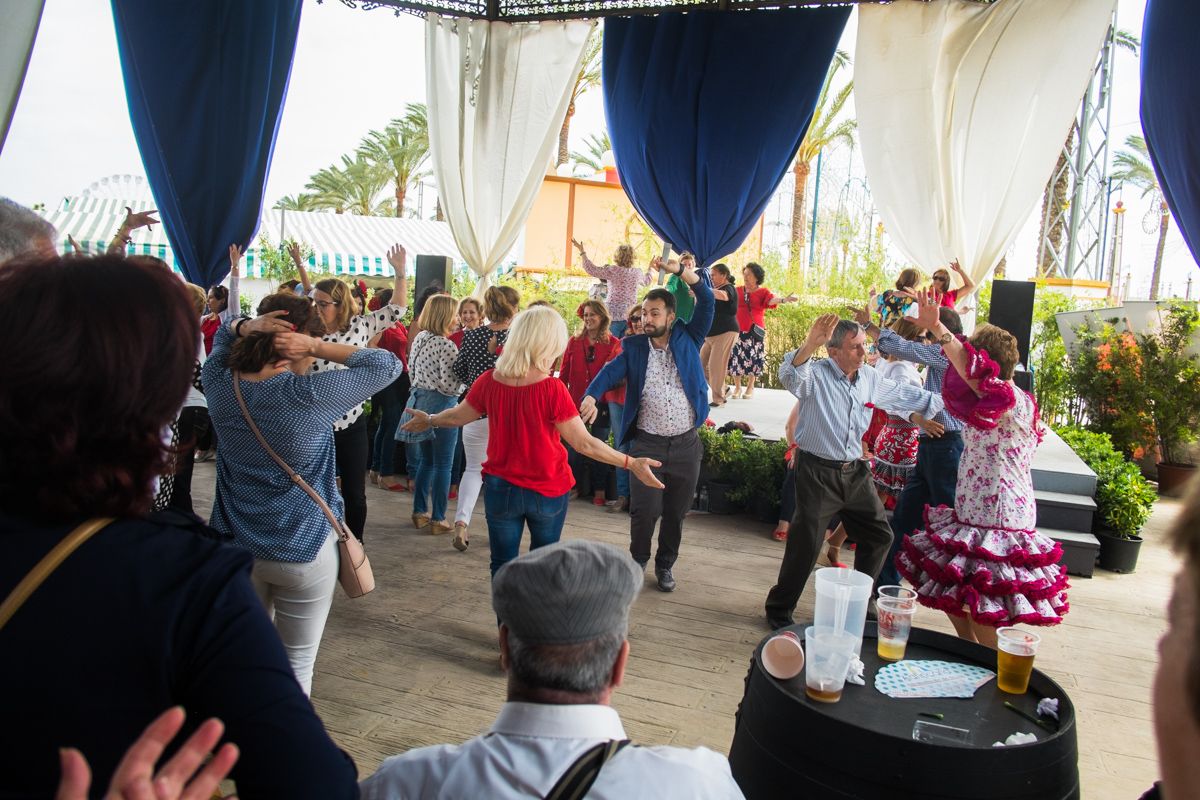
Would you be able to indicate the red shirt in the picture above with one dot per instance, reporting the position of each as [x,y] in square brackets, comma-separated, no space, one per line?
[752,307]
[524,447]
[395,340]
[208,328]
[949,298]
[578,371]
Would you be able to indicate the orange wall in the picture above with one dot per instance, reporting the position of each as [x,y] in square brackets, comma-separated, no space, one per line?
[599,215]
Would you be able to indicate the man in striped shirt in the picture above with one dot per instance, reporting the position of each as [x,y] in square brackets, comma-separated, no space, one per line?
[836,395]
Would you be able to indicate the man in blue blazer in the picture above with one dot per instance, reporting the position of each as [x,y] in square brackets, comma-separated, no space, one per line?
[666,400]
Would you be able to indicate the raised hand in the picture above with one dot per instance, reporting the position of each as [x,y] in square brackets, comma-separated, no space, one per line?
[294,251]
[235,259]
[135,778]
[862,315]
[271,322]
[821,331]
[142,219]
[397,256]
[75,246]
[579,246]
[656,263]
[954,265]
[641,468]
[293,346]
[928,302]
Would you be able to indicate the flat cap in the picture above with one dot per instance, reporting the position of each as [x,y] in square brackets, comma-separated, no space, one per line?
[566,592]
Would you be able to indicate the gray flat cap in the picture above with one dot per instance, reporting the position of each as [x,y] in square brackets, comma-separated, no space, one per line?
[566,592]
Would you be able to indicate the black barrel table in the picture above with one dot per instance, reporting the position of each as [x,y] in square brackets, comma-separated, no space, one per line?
[786,745]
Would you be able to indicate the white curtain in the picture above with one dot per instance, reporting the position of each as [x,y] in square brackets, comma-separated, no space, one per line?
[498,93]
[963,110]
[18,28]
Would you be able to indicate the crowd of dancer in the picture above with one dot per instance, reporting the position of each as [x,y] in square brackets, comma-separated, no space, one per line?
[85,454]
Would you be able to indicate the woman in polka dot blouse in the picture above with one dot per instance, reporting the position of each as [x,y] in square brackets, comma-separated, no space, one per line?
[338,310]
[294,548]
[480,349]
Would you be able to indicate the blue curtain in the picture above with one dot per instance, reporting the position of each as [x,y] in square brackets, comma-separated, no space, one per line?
[205,81]
[706,111]
[1171,107]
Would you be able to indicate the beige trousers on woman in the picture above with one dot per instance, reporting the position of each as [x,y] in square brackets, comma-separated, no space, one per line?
[714,355]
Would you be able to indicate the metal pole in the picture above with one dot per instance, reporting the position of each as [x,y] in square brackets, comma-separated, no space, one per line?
[812,231]
[1078,196]
[1117,245]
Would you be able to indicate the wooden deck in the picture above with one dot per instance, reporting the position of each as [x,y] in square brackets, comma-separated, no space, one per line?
[416,662]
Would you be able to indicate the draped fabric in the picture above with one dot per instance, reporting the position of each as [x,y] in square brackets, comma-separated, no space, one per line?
[1171,107]
[707,109]
[205,82]
[963,109]
[18,28]
[498,94]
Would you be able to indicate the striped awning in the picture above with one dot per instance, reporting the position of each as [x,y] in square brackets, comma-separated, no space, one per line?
[342,244]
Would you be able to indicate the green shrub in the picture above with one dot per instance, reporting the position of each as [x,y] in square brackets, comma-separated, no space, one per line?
[1123,497]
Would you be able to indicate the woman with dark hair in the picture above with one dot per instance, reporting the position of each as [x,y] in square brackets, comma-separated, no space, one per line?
[345,326]
[586,354]
[480,349]
[941,283]
[223,305]
[723,333]
[749,354]
[897,303]
[295,550]
[151,611]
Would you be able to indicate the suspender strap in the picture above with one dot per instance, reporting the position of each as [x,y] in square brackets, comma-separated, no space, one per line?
[42,570]
[579,777]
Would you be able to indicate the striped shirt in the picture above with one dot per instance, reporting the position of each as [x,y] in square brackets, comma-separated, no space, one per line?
[891,343]
[834,410]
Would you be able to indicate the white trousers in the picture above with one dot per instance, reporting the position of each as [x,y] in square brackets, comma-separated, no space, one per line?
[298,597]
[475,441]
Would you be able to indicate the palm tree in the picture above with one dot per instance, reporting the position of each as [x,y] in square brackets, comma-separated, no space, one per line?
[330,189]
[588,77]
[1055,199]
[596,145]
[1133,166]
[824,130]
[399,151]
[298,202]
[353,186]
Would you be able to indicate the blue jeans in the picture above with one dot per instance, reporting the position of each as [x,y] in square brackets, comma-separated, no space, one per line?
[617,412]
[509,508]
[617,327]
[392,398]
[429,462]
[932,483]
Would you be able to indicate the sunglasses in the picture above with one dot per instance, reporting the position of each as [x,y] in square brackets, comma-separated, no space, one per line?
[635,319]
[591,354]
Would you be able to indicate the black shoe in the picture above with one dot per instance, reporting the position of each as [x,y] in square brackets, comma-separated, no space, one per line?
[779,622]
[641,565]
[666,581]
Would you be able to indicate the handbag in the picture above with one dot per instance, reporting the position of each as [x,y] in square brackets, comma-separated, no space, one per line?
[42,570]
[354,568]
[758,332]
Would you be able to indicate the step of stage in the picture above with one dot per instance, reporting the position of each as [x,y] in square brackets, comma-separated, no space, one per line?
[1068,512]
[1056,468]
[1080,550]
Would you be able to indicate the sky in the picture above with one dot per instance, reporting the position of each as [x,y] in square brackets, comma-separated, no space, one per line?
[353,71]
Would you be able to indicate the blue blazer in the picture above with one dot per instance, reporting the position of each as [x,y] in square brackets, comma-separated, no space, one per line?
[685,342]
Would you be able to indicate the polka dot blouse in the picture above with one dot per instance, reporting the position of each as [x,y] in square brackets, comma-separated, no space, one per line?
[362,329]
[474,357]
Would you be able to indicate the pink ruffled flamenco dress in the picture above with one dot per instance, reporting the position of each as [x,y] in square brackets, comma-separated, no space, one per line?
[984,557]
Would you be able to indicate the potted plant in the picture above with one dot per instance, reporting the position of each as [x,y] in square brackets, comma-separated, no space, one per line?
[722,454]
[1123,497]
[1171,379]
[759,477]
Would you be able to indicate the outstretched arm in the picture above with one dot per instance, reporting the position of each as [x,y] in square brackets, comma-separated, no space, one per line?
[397,256]
[456,417]
[298,260]
[132,223]
[589,446]
[968,284]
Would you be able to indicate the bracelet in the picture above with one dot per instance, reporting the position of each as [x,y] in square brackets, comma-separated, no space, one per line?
[626,462]
[237,326]
[432,421]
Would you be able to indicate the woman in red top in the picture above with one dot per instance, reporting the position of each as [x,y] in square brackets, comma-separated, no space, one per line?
[748,353]
[470,316]
[526,477]
[587,352]
[941,283]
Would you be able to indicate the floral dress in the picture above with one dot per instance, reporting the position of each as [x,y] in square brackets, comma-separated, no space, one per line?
[983,557]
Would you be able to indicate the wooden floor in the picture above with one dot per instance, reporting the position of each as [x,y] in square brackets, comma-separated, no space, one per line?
[416,662]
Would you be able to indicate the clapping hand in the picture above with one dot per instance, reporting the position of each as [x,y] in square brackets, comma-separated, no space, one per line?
[235,259]
[928,303]
[142,219]
[397,256]
[821,331]
[135,778]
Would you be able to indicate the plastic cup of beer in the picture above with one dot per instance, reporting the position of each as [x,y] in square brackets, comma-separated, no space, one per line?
[828,654]
[896,592]
[894,624]
[782,656]
[1014,658]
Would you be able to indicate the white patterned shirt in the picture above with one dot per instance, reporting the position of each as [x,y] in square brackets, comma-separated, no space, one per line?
[431,364]
[623,283]
[665,410]
[362,329]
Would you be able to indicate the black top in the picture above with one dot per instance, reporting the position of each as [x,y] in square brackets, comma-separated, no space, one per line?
[725,313]
[145,615]
[474,356]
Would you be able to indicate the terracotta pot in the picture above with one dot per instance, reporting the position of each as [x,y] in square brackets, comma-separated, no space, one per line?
[1172,478]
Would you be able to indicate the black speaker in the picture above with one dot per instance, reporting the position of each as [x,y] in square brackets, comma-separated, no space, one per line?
[431,270]
[1012,309]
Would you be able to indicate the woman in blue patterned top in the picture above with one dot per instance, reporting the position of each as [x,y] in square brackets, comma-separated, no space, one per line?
[295,551]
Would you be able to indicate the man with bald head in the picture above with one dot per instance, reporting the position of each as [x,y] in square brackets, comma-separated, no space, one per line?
[836,397]
[23,232]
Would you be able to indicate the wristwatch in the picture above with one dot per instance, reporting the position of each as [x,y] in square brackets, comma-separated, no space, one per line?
[946,337]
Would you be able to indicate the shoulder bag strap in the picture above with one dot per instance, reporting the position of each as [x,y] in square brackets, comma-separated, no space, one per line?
[42,570]
[296,479]
[579,777]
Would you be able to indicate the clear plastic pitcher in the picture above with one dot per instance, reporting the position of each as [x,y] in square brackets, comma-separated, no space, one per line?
[842,596]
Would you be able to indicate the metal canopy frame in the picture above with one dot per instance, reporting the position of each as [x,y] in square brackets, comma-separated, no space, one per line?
[534,10]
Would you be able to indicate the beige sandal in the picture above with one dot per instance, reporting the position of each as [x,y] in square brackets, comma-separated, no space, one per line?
[420,520]
[460,537]
[439,526]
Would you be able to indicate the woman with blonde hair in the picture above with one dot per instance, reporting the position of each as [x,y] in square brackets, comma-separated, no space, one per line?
[338,310]
[587,352]
[526,474]
[623,281]
[480,349]
[434,388]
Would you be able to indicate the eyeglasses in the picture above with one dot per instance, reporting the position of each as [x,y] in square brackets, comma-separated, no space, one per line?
[325,304]
[635,320]
[591,354]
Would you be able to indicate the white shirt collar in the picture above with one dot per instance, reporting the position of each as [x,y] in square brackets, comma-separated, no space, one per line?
[559,721]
